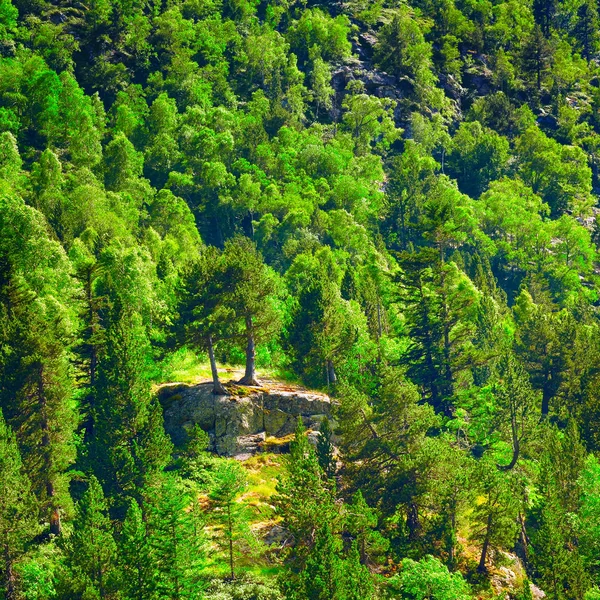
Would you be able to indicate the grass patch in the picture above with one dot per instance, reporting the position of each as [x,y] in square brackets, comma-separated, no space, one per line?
[187,366]
[262,471]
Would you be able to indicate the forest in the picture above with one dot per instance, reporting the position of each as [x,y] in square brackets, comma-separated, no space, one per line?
[391,202]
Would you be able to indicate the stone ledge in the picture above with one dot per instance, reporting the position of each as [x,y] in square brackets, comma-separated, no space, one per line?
[235,423]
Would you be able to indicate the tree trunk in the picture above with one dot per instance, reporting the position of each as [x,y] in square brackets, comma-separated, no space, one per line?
[230,524]
[516,443]
[9,575]
[218,388]
[522,546]
[55,522]
[249,377]
[452,541]
[486,544]
[513,460]
[331,376]
[546,395]
[412,521]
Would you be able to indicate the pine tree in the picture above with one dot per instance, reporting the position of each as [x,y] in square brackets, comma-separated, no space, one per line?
[544,12]
[517,403]
[586,29]
[495,517]
[135,557]
[361,523]
[17,509]
[325,448]
[129,442]
[91,549]
[321,330]
[357,582]
[232,515]
[176,536]
[303,499]
[38,391]
[441,311]
[554,543]
[90,345]
[252,296]
[536,55]
[322,574]
[205,317]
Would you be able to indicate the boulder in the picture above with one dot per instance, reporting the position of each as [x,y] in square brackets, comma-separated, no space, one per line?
[238,424]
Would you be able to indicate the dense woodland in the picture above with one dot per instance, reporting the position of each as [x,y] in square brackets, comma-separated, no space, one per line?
[392,201]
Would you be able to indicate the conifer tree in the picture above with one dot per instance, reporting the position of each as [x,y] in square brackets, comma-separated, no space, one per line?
[517,404]
[91,549]
[304,499]
[321,576]
[205,316]
[43,413]
[231,514]
[357,580]
[252,295]
[536,55]
[325,448]
[586,29]
[361,523]
[176,536]
[129,442]
[17,510]
[496,515]
[136,561]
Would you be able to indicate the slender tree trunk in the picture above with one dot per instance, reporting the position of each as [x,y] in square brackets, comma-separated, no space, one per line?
[516,445]
[514,459]
[412,521]
[522,549]
[331,376]
[452,541]
[218,388]
[9,575]
[546,395]
[486,544]
[55,522]
[230,544]
[249,377]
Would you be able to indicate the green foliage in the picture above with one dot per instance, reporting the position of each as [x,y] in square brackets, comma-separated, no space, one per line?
[231,515]
[244,589]
[429,578]
[324,448]
[91,549]
[395,201]
[175,529]
[135,556]
[590,516]
[17,515]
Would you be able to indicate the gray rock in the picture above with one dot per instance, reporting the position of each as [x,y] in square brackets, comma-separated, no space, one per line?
[237,425]
[536,592]
[277,535]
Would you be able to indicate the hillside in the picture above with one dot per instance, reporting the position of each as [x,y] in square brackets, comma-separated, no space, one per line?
[354,245]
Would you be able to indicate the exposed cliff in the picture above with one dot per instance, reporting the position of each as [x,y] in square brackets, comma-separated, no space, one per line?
[239,424]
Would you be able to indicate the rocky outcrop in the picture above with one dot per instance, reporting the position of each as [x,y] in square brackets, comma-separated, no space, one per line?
[240,423]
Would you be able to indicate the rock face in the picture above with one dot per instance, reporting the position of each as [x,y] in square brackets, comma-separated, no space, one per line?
[238,424]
